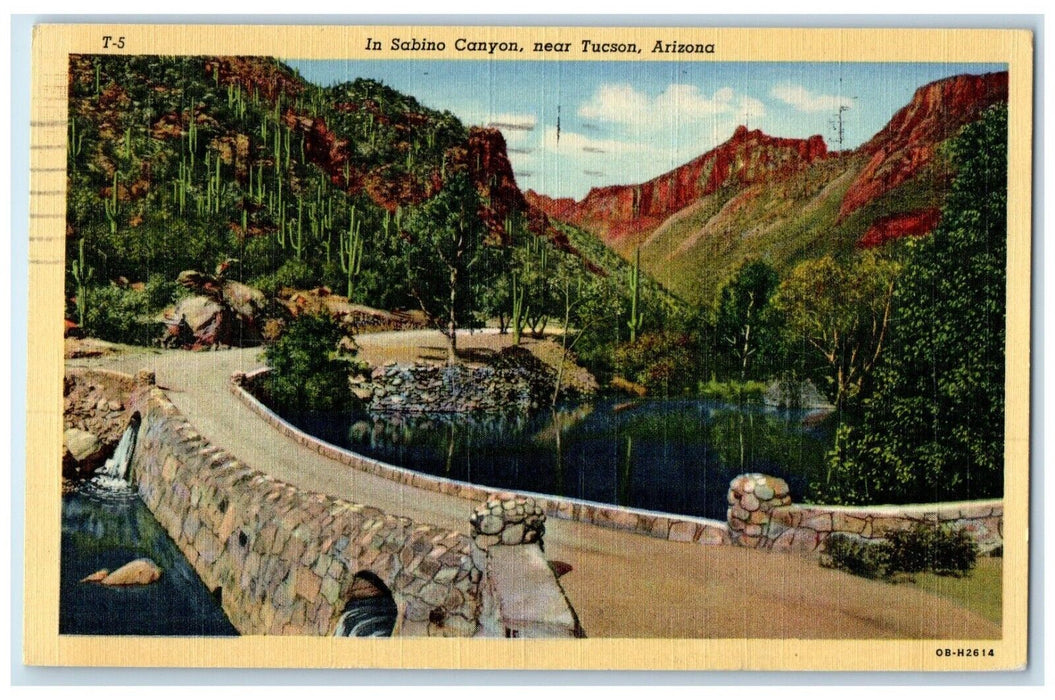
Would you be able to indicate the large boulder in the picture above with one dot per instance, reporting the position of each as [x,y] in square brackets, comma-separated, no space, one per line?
[82,452]
[135,573]
[230,314]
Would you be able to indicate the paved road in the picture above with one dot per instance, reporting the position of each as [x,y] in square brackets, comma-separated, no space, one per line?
[621,585]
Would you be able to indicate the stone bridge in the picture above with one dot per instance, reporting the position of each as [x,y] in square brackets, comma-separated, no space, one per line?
[287,532]
[282,560]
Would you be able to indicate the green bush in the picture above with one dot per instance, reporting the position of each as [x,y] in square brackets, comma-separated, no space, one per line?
[944,551]
[732,391]
[306,372]
[663,362]
[941,550]
[124,315]
[856,556]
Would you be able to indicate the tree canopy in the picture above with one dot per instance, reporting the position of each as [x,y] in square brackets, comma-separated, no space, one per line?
[446,256]
[933,428]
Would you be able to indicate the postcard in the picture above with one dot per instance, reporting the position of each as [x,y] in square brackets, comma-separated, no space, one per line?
[516,347]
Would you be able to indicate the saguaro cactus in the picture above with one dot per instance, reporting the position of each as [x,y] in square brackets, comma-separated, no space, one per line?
[351,252]
[110,206]
[82,275]
[636,318]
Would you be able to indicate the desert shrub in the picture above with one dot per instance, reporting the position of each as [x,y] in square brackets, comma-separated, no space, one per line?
[945,551]
[307,373]
[123,315]
[924,548]
[662,362]
[856,556]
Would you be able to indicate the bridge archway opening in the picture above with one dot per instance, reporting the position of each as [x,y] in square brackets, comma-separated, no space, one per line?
[371,610]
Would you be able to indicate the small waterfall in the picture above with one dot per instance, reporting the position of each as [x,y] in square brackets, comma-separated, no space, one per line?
[114,474]
[368,617]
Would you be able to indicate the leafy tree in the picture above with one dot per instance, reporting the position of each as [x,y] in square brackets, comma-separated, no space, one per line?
[933,429]
[841,310]
[306,369]
[747,326]
[445,253]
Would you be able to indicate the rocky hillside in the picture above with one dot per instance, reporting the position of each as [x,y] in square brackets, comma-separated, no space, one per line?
[187,163]
[619,212]
[785,199]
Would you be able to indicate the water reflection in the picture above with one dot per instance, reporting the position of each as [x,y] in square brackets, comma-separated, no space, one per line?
[106,527]
[669,455]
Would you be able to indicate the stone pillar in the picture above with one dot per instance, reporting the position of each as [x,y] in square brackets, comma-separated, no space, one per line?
[751,498]
[520,594]
[508,519]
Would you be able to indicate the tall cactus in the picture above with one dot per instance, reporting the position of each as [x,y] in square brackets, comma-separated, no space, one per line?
[82,275]
[75,142]
[296,238]
[110,206]
[351,252]
[636,318]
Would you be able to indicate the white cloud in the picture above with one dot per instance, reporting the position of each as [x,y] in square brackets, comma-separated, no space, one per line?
[573,143]
[808,101]
[678,103]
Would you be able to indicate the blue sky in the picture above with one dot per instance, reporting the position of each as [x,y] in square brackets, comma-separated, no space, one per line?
[626,122]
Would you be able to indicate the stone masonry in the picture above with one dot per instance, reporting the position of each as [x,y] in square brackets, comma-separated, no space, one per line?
[520,593]
[761,515]
[751,498]
[283,561]
[507,519]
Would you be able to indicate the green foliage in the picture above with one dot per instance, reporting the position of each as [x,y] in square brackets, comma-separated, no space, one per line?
[923,548]
[839,311]
[932,428]
[123,315]
[306,372]
[732,391]
[663,362]
[445,255]
[856,556]
[747,326]
[945,551]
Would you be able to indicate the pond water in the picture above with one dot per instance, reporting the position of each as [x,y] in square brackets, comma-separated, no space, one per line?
[104,526]
[674,456]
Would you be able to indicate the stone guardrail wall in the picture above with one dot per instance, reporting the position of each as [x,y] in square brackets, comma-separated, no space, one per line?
[761,515]
[662,526]
[284,561]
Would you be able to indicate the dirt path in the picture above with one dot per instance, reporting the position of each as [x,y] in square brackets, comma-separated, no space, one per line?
[622,585]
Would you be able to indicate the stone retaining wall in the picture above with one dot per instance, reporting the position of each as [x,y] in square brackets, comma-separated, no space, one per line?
[424,388]
[761,515]
[662,526]
[283,561]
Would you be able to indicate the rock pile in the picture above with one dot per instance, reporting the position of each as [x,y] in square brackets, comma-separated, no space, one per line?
[751,498]
[422,388]
[93,421]
[507,519]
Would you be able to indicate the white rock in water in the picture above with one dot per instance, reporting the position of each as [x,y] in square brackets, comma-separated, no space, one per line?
[134,573]
[82,444]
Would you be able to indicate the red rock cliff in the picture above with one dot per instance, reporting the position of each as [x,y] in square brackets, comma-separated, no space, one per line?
[748,157]
[907,143]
